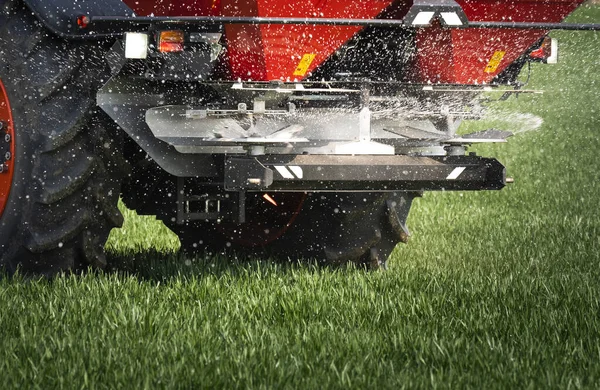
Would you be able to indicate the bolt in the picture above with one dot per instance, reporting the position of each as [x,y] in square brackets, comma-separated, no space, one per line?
[7,156]
[6,137]
[2,125]
[3,168]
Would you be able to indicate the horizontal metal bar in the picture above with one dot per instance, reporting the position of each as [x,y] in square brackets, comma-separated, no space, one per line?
[533,25]
[122,23]
[322,173]
[220,20]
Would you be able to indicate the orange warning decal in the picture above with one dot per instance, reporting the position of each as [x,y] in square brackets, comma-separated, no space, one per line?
[495,61]
[304,64]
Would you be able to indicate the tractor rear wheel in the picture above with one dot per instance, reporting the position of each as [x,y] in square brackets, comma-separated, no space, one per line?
[61,165]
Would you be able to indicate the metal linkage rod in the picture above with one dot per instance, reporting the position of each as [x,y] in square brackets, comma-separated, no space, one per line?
[121,24]
[219,20]
[541,26]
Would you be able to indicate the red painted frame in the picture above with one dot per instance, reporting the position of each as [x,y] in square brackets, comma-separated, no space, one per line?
[291,52]
[461,56]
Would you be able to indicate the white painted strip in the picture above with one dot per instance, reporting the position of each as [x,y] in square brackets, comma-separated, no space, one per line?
[553,59]
[297,171]
[284,172]
[456,173]
[423,18]
[451,19]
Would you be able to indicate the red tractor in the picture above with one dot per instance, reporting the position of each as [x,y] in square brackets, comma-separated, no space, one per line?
[295,128]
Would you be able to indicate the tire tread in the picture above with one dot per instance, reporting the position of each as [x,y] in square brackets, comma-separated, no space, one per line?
[75,177]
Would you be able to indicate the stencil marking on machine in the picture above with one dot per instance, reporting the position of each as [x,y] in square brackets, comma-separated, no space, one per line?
[304,65]
[495,61]
[290,172]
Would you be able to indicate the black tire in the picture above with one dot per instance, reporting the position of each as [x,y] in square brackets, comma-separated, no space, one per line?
[67,165]
[336,229]
[358,228]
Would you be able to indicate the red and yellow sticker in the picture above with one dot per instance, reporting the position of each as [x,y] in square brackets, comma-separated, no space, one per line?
[304,64]
[495,61]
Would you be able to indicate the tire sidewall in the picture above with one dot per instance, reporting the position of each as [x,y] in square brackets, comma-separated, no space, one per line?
[16,206]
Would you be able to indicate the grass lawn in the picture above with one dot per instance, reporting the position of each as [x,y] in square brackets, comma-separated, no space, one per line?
[495,289]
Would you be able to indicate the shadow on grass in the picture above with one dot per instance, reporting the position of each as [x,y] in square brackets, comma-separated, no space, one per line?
[155,266]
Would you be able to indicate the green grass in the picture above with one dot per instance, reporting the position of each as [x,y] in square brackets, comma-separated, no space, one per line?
[495,290]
